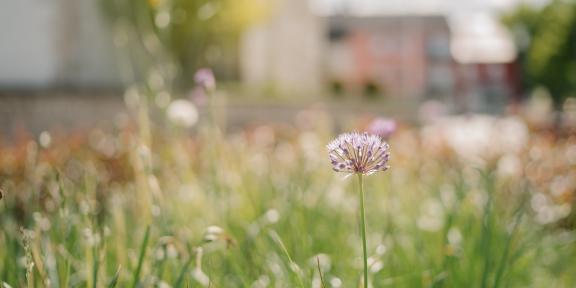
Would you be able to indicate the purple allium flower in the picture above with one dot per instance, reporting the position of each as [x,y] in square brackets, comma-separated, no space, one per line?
[359,153]
[205,78]
[382,127]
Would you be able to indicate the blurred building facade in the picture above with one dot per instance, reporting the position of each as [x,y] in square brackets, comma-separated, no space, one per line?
[487,75]
[285,52]
[468,63]
[401,56]
[55,43]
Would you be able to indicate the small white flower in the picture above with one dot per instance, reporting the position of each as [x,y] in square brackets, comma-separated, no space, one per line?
[182,113]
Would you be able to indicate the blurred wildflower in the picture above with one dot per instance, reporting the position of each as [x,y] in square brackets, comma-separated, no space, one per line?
[182,113]
[539,107]
[375,265]
[213,233]
[381,250]
[359,153]
[45,139]
[204,78]
[162,284]
[262,282]
[218,237]
[42,221]
[454,236]
[322,260]
[382,127]
[547,211]
[198,274]
[510,166]
[92,239]
[272,216]
[162,19]
[168,248]
[336,282]
[479,139]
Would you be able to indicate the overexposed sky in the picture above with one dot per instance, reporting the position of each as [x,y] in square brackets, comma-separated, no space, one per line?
[448,7]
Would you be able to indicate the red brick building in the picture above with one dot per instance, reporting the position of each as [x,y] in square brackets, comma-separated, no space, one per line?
[405,56]
[414,57]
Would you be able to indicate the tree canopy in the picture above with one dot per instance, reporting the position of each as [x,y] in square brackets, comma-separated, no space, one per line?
[546,38]
[176,37]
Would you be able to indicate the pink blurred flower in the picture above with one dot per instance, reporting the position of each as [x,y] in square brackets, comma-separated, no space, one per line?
[204,78]
[198,96]
[382,127]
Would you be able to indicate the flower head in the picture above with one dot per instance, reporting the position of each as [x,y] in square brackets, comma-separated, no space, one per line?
[205,78]
[360,153]
[182,113]
[382,127]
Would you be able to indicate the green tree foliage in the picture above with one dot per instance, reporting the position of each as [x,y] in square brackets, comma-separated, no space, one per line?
[176,37]
[546,38]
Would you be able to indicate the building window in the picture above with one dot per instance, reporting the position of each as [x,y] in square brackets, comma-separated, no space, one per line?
[438,46]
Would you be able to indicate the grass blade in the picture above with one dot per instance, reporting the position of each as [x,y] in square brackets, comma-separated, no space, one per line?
[114,279]
[136,275]
[182,274]
[502,267]
[320,271]
[293,264]
[487,227]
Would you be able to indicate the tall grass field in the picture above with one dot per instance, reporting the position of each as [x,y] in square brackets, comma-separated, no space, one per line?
[467,202]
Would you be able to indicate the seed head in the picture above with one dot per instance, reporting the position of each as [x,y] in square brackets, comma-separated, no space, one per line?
[182,113]
[359,153]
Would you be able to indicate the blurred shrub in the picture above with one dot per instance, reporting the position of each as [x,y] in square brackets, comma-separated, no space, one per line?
[337,88]
[372,90]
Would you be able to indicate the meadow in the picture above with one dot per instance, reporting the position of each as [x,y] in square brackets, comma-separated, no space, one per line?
[467,202]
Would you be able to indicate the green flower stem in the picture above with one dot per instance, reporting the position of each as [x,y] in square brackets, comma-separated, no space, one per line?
[363,229]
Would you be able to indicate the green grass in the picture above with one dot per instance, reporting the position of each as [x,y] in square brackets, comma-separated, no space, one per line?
[138,217]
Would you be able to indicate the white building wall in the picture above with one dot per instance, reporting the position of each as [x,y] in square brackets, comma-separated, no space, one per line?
[95,62]
[55,42]
[27,42]
[285,51]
